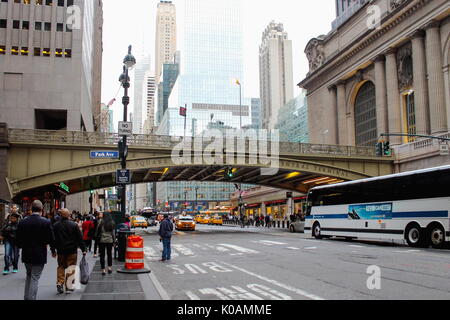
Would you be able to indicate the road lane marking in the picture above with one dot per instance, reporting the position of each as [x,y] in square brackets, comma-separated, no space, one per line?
[210,291]
[273,242]
[268,292]
[239,294]
[293,248]
[237,248]
[274,282]
[192,296]
[356,246]
[310,248]
[183,250]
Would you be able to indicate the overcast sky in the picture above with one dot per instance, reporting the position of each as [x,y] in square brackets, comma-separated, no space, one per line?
[133,22]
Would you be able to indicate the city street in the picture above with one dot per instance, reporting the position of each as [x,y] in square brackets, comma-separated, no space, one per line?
[228,263]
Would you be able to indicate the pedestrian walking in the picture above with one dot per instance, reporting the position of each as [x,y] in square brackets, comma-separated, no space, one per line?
[88,229]
[12,251]
[165,233]
[68,239]
[267,221]
[105,234]
[79,223]
[14,209]
[97,217]
[34,233]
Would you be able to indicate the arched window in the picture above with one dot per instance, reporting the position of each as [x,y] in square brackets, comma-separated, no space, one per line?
[366,116]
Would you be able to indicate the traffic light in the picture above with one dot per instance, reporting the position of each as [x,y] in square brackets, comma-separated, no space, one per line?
[123,153]
[229,173]
[379,149]
[387,149]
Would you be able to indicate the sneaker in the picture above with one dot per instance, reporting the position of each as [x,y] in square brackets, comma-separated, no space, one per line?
[15,271]
[5,272]
[110,271]
[60,289]
[69,291]
[95,255]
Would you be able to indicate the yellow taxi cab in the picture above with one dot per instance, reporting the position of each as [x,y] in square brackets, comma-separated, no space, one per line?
[198,218]
[205,220]
[138,222]
[185,223]
[217,220]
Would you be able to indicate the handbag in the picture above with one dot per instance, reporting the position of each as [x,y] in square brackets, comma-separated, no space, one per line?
[84,271]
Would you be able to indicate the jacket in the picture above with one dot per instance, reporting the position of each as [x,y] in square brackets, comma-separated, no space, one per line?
[34,233]
[9,232]
[68,238]
[87,233]
[166,229]
[103,236]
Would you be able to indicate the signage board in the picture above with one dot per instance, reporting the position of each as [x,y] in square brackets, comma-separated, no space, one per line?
[104,154]
[125,129]
[123,177]
[445,150]
[380,211]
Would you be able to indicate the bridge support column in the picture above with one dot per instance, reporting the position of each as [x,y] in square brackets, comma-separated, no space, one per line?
[4,145]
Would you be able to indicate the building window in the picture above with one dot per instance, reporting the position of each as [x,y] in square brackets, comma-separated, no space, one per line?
[37,52]
[60,3]
[2,50]
[38,25]
[24,51]
[47,26]
[59,53]
[366,116]
[60,27]
[16,24]
[15,51]
[25,25]
[3,23]
[68,53]
[50,119]
[46,52]
[410,114]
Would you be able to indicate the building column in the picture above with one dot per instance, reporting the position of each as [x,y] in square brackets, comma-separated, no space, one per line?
[341,113]
[438,112]
[420,83]
[393,97]
[381,95]
[333,133]
[447,91]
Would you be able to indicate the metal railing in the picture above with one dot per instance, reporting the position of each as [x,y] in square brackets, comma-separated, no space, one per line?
[420,147]
[110,140]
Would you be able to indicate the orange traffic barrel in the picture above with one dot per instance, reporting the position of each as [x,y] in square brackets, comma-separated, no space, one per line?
[134,259]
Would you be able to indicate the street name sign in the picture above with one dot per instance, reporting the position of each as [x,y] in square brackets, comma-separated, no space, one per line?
[123,177]
[125,129]
[104,154]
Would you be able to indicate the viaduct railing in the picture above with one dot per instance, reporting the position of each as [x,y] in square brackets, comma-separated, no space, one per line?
[110,140]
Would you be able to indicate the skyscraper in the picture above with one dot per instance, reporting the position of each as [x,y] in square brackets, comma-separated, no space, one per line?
[166,36]
[140,112]
[275,70]
[148,98]
[211,57]
[50,66]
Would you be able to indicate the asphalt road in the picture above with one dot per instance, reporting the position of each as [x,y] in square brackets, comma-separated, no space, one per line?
[223,263]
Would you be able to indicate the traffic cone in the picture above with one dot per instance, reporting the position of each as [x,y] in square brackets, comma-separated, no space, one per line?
[135,258]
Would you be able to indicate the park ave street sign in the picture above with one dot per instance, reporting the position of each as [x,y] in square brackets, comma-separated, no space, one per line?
[104,154]
[125,129]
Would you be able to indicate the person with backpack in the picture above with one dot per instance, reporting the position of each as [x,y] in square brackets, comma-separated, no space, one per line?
[12,251]
[165,233]
[105,234]
[88,229]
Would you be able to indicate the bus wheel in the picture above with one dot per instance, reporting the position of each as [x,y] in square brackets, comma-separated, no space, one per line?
[414,236]
[437,236]
[317,231]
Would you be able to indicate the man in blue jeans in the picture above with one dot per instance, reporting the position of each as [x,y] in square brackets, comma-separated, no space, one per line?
[165,232]
[9,234]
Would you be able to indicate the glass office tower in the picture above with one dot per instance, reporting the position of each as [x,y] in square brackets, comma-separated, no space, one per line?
[212,56]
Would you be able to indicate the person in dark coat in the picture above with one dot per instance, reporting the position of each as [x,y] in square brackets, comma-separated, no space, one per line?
[165,232]
[68,239]
[34,233]
[9,234]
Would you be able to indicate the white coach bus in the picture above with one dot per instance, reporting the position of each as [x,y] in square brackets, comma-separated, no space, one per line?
[412,206]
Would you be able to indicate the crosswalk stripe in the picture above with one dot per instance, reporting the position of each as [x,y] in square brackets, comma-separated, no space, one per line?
[238,248]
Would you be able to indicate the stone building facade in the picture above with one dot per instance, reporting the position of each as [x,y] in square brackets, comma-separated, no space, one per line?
[385,69]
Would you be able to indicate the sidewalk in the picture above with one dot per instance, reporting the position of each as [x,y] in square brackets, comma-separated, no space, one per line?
[110,287]
[12,286]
